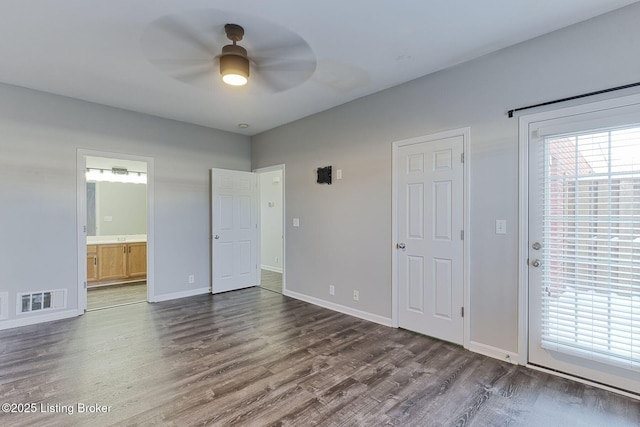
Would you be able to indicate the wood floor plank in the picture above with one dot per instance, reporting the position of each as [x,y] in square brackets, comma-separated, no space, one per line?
[256,358]
[100,297]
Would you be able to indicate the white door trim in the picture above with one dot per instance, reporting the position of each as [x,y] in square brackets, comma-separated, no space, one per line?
[81,220]
[280,167]
[466,135]
[523,241]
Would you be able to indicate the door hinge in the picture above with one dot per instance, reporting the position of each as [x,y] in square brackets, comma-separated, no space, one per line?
[461,234]
[461,157]
[462,311]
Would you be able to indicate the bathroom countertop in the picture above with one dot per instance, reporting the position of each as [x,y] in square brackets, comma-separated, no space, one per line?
[105,240]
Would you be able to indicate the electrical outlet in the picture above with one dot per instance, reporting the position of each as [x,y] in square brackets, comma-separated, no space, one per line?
[332,290]
[356,295]
[192,278]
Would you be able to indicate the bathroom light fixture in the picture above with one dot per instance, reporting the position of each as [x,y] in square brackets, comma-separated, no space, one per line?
[121,175]
[119,171]
[234,64]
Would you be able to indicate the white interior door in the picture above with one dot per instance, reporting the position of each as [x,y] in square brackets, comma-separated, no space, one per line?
[430,263]
[584,246]
[235,230]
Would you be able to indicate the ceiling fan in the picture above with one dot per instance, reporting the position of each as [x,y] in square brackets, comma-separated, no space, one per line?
[194,48]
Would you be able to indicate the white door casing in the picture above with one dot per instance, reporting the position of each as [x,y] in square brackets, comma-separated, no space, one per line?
[234,230]
[429,224]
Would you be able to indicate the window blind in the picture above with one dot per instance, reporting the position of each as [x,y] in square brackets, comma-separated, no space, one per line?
[591,245]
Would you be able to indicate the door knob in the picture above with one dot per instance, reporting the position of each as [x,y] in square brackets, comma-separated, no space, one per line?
[400,246]
[536,263]
[216,237]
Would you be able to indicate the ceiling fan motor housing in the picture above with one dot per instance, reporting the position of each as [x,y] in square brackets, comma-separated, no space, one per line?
[233,60]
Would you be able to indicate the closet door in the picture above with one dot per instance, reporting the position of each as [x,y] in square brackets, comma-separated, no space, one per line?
[234,230]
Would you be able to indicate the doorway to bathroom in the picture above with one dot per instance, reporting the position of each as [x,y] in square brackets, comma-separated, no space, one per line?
[114,239]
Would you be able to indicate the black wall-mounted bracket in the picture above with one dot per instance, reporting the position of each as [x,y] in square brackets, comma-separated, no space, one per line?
[324,175]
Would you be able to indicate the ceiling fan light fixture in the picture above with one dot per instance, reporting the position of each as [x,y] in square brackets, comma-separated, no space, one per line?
[234,65]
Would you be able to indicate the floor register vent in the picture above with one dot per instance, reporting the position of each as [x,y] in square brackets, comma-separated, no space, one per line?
[41,300]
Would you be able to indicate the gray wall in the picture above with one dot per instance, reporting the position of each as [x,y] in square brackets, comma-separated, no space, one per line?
[124,204]
[344,236]
[39,137]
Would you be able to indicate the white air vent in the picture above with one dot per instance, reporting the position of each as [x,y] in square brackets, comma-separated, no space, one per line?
[4,305]
[41,300]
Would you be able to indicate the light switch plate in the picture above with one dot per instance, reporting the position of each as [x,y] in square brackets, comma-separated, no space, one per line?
[501,226]
[339,174]
[296,222]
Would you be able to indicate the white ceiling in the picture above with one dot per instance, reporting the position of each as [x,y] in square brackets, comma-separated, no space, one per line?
[101,51]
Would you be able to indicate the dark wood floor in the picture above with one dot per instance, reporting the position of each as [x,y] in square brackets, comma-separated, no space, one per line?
[257,358]
[112,295]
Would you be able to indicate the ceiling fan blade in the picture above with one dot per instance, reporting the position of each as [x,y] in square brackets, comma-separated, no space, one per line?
[283,64]
[180,30]
[173,63]
[278,77]
[193,72]
[183,69]
[296,50]
[266,83]
[295,66]
[282,75]
[196,76]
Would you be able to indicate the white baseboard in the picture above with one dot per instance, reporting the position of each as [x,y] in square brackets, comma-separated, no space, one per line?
[32,320]
[270,268]
[496,353]
[183,294]
[340,308]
